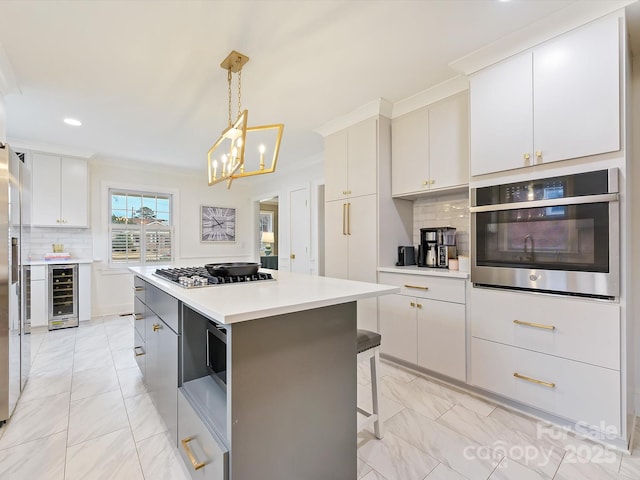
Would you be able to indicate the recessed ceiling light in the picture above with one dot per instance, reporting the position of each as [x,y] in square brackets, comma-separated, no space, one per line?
[73,122]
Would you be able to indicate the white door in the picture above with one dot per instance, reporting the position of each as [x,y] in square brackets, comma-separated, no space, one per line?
[74,194]
[410,152]
[362,234]
[46,190]
[336,243]
[300,221]
[362,158]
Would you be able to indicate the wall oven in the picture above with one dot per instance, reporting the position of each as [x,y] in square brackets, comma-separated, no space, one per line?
[217,353]
[558,234]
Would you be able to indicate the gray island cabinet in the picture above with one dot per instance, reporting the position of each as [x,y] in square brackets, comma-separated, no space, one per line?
[284,406]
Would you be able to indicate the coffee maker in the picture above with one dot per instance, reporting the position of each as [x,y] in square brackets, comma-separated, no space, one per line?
[437,246]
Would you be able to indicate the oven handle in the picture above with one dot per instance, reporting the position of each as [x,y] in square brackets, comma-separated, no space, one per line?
[551,202]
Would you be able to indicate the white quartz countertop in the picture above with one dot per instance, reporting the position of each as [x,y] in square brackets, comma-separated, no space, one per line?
[435,272]
[290,292]
[42,261]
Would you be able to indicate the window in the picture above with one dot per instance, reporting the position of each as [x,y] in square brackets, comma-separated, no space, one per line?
[140,227]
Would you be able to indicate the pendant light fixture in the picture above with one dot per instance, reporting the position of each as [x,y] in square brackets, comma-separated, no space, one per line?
[240,150]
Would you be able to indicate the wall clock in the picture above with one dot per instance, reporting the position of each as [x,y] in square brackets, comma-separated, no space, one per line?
[217,224]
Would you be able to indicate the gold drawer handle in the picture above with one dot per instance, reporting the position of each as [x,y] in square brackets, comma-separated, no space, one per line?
[413,304]
[135,349]
[416,286]
[192,458]
[156,327]
[138,316]
[138,289]
[533,380]
[535,325]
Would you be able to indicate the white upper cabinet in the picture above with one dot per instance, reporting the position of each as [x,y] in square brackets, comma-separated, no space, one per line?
[576,99]
[430,148]
[351,166]
[501,110]
[560,100]
[60,191]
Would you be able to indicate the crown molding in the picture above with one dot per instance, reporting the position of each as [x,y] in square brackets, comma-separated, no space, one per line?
[35,146]
[572,16]
[8,83]
[379,106]
[457,84]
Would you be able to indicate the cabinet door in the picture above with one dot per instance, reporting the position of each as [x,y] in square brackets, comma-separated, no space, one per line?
[441,337]
[162,371]
[335,239]
[501,113]
[335,166]
[410,152]
[449,142]
[74,196]
[46,189]
[576,93]
[398,327]
[362,164]
[362,234]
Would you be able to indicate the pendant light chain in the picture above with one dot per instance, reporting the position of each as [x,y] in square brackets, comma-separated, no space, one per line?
[239,91]
[229,82]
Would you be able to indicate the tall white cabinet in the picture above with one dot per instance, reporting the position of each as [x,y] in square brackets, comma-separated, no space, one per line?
[60,191]
[363,224]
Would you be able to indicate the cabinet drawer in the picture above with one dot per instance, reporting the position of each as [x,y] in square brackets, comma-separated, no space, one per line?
[163,305]
[139,315]
[198,447]
[140,288]
[583,330]
[423,286]
[575,390]
[140,352]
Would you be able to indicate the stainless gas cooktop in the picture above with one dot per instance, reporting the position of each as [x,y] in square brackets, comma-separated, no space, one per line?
[196,277]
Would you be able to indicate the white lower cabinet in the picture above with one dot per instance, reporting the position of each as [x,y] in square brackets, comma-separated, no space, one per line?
[574,390]
[559,355]
[421,325]
[204,455]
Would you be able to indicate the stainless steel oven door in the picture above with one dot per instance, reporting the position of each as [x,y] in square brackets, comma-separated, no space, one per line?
[565,245]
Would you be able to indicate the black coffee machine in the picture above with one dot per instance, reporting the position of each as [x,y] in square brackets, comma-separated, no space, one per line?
[437,246]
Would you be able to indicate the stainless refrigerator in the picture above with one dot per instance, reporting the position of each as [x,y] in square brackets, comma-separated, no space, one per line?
[15,214]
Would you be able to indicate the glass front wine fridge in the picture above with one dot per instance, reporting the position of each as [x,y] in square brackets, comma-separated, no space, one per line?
[63,296]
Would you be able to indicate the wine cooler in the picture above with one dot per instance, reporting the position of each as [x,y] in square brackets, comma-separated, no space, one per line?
[63,296]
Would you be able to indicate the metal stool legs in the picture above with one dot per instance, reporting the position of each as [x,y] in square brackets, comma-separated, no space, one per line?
[373,355]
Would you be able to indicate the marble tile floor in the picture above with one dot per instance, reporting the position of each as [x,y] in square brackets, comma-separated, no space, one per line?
[85,414]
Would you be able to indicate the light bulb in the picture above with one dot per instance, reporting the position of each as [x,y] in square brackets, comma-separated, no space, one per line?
[262,148]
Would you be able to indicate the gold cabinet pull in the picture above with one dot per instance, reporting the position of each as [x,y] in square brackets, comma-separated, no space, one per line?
[192,458]
[138,316]
[135,350]
[156,327]
[431,182]
[526,156]
[417,287]
[292,256]
[425,183]
[534,380]
[138,289]
[534,325]
[413,304]
[538,155]
[419,305]
[349,218]
[344,219]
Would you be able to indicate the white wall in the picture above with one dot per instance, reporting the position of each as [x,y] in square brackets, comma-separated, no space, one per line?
[112,287]
[3,121]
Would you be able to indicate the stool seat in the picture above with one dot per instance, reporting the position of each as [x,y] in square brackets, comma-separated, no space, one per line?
[368,339]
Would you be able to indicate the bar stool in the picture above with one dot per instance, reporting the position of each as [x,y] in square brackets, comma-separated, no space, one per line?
[369,348]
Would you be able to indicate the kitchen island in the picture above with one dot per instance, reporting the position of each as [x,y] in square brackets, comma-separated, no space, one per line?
[285,405]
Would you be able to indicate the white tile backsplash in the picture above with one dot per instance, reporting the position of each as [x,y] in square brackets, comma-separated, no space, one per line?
[444,210]
[76,241]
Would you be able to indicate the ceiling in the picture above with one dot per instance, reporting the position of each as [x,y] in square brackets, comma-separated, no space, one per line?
[144,76]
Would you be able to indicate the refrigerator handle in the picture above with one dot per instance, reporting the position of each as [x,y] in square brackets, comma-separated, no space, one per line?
[14,260]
